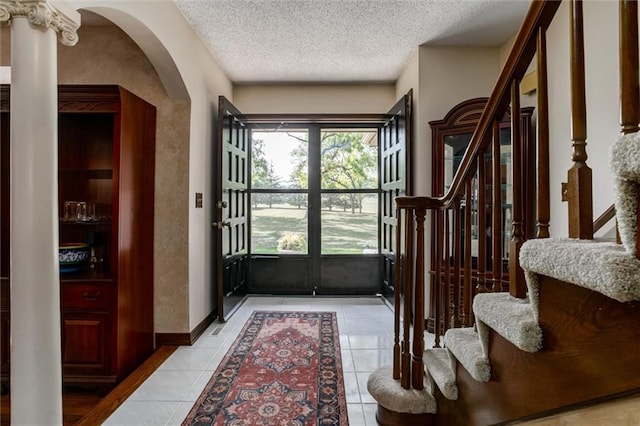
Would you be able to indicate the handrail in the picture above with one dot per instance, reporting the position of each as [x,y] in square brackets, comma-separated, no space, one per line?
[452,276]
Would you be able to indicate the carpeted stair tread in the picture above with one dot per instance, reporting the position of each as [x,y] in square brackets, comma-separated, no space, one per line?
[464,344]
[624,161]
[599,266]
[392,396]
[510,317]
[441,369]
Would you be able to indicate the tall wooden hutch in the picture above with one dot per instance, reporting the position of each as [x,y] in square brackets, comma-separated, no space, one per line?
[450,139]
[106,157]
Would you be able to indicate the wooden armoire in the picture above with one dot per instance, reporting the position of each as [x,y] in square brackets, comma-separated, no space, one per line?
[106,158]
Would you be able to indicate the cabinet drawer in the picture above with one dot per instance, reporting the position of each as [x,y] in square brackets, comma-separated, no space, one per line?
[86,297]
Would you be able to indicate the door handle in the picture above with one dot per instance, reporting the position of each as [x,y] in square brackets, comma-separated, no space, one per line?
[221,204]
[221,225]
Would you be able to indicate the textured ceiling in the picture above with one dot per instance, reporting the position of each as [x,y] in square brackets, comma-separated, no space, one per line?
[341,41]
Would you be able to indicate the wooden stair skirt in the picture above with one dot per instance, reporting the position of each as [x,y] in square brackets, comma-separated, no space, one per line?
[590,347]
[391,418]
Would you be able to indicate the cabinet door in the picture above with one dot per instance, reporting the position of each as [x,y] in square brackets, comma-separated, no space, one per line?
[4,344]
[85,337]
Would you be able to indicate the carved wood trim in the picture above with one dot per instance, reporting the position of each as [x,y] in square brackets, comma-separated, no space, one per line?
[465,113]
[76,98]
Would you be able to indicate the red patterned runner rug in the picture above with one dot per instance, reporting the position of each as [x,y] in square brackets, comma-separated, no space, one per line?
[283,369]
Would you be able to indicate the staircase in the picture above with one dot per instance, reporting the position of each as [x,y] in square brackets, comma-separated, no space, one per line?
[567,332]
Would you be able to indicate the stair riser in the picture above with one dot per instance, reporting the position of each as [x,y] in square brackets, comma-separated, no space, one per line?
[590,350]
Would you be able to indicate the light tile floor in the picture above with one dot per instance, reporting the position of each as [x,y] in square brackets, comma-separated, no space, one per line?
[366,340]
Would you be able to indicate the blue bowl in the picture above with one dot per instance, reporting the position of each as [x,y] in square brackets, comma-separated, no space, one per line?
[73,256]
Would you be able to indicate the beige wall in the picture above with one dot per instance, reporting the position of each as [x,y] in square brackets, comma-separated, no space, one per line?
[409,80]
[308,99]
[601,56]
[448,76]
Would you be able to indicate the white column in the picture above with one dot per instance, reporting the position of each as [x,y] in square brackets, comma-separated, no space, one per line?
[36,368]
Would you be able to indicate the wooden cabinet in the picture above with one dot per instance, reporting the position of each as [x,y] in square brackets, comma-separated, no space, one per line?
[450,138]
[106,157]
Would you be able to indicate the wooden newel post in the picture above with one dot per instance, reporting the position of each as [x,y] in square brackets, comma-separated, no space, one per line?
[405,375]
[417,364]
[397,258]
[579,183]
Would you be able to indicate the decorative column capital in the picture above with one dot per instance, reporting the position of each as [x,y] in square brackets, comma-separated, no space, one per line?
[41,14]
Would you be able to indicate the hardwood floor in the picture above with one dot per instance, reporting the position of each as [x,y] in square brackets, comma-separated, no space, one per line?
[86,407]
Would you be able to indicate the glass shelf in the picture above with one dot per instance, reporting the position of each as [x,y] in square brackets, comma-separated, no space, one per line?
[106,222]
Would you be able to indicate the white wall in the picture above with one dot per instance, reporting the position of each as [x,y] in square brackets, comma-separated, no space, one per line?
[602,80]
[308,99]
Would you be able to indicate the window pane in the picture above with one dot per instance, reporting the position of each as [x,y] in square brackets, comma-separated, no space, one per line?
[349,159]
[349,223]
[279,159]
[279,223]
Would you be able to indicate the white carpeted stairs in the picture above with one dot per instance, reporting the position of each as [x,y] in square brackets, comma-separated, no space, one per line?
[604,267]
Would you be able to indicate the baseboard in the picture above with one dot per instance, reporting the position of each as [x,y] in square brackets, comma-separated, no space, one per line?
[173,339]
[200,328]
[186,339]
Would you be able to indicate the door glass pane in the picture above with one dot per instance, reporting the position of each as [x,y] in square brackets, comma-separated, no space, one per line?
[279,223]
[279,159]
[278,219]
[349,223]
[349,159]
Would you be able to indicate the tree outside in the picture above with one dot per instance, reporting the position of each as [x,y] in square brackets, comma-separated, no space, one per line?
[349,220]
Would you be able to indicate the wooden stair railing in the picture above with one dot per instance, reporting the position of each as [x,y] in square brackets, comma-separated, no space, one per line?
[455,279]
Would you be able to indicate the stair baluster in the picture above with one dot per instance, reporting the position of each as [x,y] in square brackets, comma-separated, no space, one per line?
[467,287]
[579,183]
[397,284]
[417,365]
[446,285]
[440,277]
[457,253]
[543,206]
[517,286]
[496,209]
[405,377]
[482,226]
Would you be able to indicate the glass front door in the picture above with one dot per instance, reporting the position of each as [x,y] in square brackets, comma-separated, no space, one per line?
[315,210]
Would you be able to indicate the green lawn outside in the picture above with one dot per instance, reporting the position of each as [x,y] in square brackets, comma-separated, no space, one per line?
[342,232]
